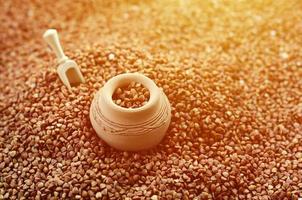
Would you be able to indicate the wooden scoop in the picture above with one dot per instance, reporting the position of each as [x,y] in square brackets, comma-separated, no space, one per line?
[68,70]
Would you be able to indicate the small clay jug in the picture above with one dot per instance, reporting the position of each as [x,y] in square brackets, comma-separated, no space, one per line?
[130,129]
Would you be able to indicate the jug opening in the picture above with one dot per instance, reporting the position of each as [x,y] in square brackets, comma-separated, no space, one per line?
[131,95]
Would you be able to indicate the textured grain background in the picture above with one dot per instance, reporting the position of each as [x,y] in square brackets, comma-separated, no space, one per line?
[232,71]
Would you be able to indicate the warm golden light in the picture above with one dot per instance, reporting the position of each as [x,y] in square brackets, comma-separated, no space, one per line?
[231,71]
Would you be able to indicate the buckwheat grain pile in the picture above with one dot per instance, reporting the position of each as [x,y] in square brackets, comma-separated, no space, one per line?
[232,72]
[132,95]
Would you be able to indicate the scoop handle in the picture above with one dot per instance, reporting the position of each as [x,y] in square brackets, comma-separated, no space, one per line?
[52,38]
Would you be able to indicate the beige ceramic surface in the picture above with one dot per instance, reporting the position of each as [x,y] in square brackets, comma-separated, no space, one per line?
[130,129]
